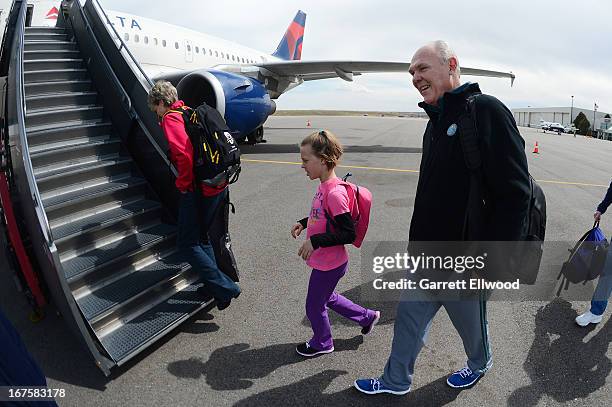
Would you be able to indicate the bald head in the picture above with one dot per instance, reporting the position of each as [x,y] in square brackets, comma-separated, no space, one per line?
[435,70]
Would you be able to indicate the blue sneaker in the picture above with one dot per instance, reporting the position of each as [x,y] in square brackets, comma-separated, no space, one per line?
[374,386]
[463,378]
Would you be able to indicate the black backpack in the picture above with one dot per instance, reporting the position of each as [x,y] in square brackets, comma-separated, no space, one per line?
[216,156]
[528,253]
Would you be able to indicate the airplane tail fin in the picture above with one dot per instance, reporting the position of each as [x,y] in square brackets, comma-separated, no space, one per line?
[290,46]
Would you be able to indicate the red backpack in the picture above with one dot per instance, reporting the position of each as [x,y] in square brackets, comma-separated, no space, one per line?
[360,203]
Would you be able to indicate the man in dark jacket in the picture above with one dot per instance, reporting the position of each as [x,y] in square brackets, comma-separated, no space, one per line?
[440,211]
[599,302]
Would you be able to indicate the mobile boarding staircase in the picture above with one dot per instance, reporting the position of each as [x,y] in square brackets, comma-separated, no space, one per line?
[91,175]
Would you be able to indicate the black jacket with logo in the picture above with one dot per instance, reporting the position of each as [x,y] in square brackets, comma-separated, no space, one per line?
[443,186]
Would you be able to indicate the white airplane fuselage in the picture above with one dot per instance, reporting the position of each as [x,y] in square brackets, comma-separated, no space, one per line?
[160,47]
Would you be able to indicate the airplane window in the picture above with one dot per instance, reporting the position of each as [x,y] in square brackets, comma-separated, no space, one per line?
[243,60]
[176,45]
[146,39]
[163,43]
[136,38]
[155,41]
[197,50]
[203,51]
[188,48]
[216,53]
[233,58]
[126,36]
[222,56]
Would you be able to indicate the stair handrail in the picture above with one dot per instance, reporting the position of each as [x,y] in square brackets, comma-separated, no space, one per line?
[18,49]
[135,63]
[126,97]
[122,46]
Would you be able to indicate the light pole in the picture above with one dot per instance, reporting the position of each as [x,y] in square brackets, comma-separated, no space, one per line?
[572,112]
[594,111]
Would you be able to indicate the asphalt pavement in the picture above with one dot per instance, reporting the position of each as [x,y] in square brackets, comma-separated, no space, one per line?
[245,355]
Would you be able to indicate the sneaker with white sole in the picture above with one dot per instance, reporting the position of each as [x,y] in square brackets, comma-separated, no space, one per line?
[374,386]
[308,351]
[367,329]
[463,378]
[588,318]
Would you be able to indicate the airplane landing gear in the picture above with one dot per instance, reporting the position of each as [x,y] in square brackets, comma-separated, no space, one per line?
[256,136]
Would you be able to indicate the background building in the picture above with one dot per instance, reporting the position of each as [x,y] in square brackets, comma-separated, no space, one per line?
[531,116]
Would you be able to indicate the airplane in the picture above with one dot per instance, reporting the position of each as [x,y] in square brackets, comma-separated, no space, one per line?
[240,82]
[551,126]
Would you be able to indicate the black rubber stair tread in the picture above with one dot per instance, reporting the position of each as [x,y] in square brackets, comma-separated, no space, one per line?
[98,257]
[122,290]
[102,219]
[153,324]
[105,188]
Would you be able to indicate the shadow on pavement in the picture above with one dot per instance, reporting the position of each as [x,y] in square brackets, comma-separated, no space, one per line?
[235,367]
[560,363]
[310,392]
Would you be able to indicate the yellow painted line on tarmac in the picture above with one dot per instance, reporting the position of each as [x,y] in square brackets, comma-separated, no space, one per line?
[582,184]
[416,172]
[340,166]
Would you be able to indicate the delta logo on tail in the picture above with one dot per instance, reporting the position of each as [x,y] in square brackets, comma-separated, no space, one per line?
[52,14]
[290,47]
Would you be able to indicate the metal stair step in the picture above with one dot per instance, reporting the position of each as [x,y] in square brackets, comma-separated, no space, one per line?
[70,179]
[76,141]
[45,88]
[50,160]
[48,137]
[101,219]
[92,204]
[77,166]
[63,114]
[45,36]
[58,99]
[51,64]
[114,251]
[50,46]
[43,30]
[106,230]
[106,299]
[137,333]
[51,54]
[55,75]
[56,202]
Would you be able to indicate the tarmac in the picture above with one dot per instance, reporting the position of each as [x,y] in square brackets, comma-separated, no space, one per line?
[244,355]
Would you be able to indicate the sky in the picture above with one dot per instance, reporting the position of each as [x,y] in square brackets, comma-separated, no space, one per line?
[556,49]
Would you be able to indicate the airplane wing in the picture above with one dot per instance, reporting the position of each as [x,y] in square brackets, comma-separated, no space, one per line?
[280,76]
[340,68]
